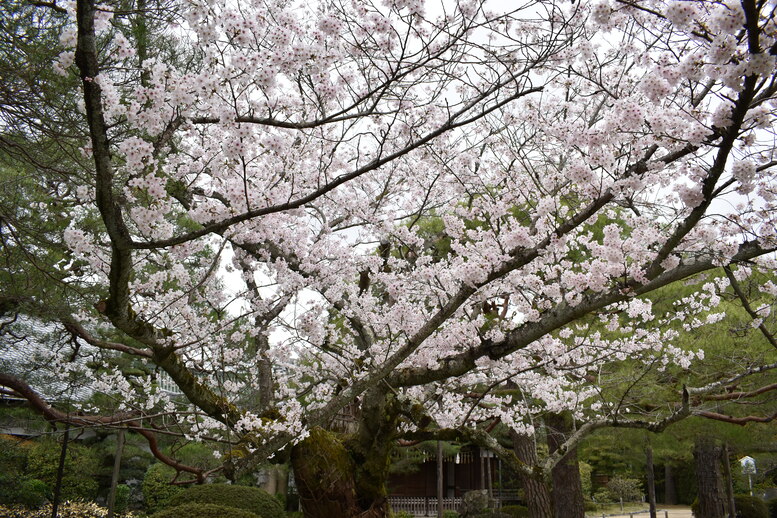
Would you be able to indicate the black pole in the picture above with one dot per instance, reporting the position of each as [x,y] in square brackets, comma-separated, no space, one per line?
[60,472]
[115,473]
[440,494]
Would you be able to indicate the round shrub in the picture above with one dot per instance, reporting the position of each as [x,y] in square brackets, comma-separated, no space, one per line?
[750,507]
[156,487]
[203,511]
[251,499]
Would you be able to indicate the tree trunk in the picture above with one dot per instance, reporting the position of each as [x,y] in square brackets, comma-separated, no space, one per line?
[346,478]
[440,494]
[536,491]
[371,448]
[712,502]
[60,473]
[324,473]
[567,491]
[115,473]
[651,480]
[732,510]
[670,492]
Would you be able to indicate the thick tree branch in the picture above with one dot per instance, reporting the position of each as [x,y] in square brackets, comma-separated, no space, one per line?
[78,330]
[129,420]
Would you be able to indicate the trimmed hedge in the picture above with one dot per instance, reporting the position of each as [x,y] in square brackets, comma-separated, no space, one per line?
[251,499]
[203,511]
[747,507]
[156,487]
[750,507]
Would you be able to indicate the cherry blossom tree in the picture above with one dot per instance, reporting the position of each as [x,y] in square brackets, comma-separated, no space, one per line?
[417,200]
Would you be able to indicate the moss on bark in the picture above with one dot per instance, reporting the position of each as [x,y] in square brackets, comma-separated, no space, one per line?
[323,470]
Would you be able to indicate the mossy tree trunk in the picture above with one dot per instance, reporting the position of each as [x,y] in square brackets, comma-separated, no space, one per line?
[346,477]
[323,471]
[371,449]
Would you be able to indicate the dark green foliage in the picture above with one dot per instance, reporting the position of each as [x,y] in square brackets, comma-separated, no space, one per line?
[750,507]
[13,460]
[251,499]
[81,467]
[515,511]
[156,487]
[204,511]
[16,485]
[196,454]
[772,506]
[33,493]
[603,496]
[122,498]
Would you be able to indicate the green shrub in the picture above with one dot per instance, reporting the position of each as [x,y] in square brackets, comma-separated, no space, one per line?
[772,506]
[199,510]
[79,481]
[156,487]
[515,511]
[122,498]
[603,496]
[750,507]
[13,462]
[625,489]
[32,493]
[251,499]
[450,514]
[402,514]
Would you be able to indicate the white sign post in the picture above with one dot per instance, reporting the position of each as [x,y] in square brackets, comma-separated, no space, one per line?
[748,468]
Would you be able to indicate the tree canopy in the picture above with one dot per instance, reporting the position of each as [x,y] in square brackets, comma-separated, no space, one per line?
[289,208]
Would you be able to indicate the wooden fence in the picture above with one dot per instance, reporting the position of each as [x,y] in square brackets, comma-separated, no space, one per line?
[422,506]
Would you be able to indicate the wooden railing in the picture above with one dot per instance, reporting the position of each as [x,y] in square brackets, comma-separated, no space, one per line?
[422,506]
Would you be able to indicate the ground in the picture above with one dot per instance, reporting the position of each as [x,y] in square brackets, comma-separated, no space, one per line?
[664,511]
